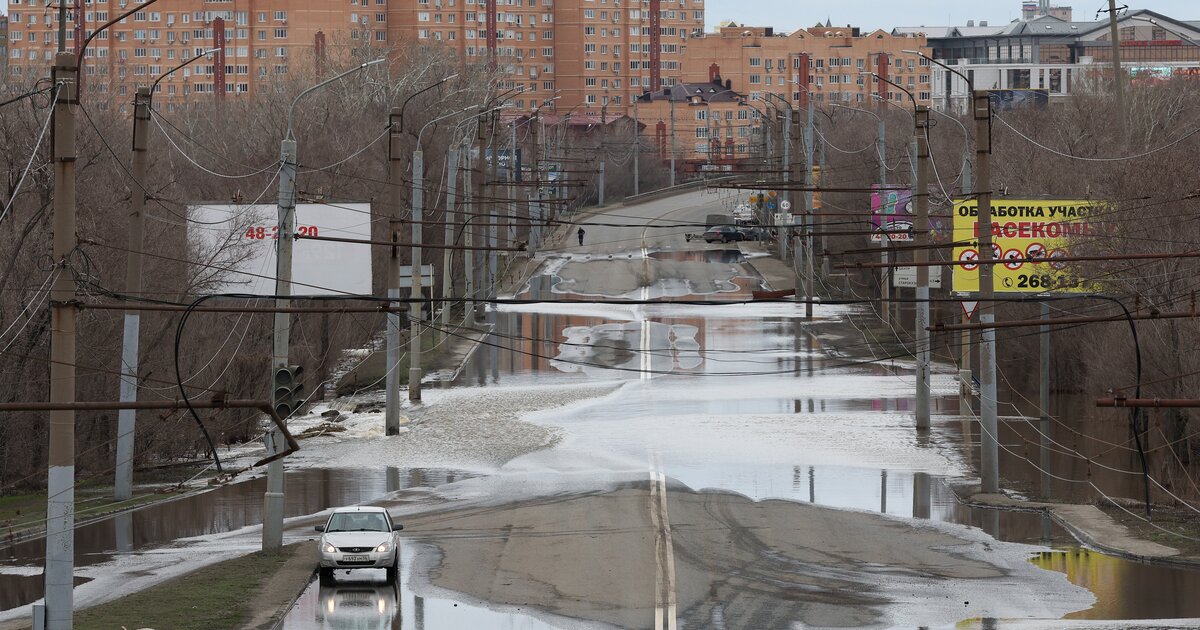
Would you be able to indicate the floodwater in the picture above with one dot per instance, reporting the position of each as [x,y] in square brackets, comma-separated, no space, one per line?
[223,509]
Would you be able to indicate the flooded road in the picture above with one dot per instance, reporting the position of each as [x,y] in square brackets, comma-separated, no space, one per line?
[221,510]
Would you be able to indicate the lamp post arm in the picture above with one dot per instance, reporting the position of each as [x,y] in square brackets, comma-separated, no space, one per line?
[87,40]
[186,63]
[292,109]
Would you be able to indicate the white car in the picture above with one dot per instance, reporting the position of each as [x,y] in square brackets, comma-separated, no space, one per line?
[359,537]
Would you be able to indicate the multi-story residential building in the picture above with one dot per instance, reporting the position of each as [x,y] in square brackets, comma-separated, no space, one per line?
[1050,54]
[256,40]
[704,125]
[3,48]
[825,62]
[589,53]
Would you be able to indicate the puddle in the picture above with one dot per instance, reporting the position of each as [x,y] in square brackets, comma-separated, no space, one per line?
[221,510]
[362,600]
[1125,589]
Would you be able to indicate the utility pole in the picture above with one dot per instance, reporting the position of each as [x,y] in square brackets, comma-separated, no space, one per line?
[514,175]
[787,169]
[672,101]
[637,148]
[60,480]
[810,223]
[1044,399]
[272,531]
[601,192]
[921,255]
[493,215]
[818,218]
[989,457]
[885,274]
[414,328]
[470,211]
[1118,73]
[535,200]
[451,199]
[127,418]
[394,205]
[964,368]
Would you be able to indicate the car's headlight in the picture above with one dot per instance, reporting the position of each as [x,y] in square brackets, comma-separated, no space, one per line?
[328,548]
[384,548]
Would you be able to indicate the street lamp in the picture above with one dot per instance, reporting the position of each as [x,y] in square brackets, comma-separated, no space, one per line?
[970,83]
[272,531]
[418,202]
[127,418]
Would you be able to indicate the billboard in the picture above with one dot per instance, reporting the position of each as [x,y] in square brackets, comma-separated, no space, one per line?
[1006,100]
[1021,229]
[891,210]
[237,243]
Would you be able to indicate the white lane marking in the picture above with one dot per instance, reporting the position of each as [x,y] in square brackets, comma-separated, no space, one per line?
[665,603]
[658,557]
[670,553]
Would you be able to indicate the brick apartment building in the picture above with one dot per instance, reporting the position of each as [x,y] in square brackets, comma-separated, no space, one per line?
[705,125]
[589,53]
[823,61]
[3,48]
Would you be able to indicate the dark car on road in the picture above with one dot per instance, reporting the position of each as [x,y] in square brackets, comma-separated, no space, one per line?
[723,234]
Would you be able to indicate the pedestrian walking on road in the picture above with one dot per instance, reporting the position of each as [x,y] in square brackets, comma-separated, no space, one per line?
[580,234]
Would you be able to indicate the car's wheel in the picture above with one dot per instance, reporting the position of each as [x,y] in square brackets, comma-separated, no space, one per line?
[326,575]
[394,570]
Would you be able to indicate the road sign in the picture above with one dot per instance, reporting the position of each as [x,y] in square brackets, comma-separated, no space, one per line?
[785,205]
[406,276]
[969,259]
[906,278]
[969,308]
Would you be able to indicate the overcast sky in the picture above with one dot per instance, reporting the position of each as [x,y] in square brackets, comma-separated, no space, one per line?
[789,15]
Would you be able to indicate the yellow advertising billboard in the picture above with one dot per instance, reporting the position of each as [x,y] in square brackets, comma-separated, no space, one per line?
[1022,229]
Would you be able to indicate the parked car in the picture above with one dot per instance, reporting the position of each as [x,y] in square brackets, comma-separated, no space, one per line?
[723,234]
[359,537]
[755,233]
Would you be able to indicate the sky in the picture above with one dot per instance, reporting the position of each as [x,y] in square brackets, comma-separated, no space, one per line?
[788,15]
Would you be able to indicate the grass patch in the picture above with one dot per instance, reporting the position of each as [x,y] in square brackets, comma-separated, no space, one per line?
[21,514]
[1176,519]
[217,596]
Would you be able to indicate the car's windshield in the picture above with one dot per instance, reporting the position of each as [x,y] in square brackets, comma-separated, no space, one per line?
[357,522]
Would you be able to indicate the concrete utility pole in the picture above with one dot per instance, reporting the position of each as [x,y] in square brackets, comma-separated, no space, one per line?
[787,169]
[394,205]
[672,101]
[272,532]
[127,418]
[602,168]
[470,212]
[535,199]
[493,215]
[810,223]
[921,255]
[414,328]
[964,368]
[60,481]
[514,175]
[1118,73]
[1044,399]
[989,456]
[451,199]
[885,275]
[637,148]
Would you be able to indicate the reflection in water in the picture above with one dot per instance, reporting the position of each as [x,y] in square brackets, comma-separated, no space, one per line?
[221,510]
[1124,589]
[361,604]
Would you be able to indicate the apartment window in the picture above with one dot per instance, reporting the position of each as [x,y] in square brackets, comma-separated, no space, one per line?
[281,33]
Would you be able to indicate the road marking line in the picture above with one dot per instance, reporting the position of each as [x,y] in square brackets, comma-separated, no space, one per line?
[670,553]
[658,568]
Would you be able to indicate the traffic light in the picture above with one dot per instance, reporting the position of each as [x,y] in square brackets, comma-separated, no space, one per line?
[287,398]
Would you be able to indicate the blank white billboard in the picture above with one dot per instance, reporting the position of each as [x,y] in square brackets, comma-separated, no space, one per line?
[235,246]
